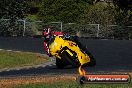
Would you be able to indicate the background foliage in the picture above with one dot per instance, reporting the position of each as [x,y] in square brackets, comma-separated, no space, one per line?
[117,12]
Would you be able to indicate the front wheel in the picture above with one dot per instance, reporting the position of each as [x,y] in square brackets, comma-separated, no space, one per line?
[92,62]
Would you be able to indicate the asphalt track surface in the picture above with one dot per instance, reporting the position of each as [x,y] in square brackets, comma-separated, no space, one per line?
[111,56]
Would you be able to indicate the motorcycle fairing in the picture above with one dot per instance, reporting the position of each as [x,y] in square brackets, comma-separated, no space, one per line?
[59,43]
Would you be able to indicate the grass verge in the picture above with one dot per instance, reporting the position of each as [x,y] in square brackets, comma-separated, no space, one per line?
[10,59]
[73,84]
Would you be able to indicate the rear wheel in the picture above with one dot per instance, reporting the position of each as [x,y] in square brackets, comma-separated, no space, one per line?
[68,59]
[59,63]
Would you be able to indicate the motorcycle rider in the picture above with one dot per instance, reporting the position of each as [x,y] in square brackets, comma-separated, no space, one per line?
[48,33]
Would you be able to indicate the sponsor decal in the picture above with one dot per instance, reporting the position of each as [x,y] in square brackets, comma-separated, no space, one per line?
[107,78]
[102,78]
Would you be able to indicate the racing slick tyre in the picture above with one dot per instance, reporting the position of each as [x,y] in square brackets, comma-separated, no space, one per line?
[59,63]
[69,60]
[92,62]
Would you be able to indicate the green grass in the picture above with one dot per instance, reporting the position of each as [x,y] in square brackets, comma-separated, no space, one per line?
[19,59]
[74,85]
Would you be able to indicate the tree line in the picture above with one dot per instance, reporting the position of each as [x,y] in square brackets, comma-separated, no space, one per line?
[117,12]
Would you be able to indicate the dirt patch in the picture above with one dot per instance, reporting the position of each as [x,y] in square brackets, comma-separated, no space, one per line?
[13,81]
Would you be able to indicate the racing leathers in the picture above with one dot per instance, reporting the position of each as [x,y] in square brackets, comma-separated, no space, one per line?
[48,35]
[47,39]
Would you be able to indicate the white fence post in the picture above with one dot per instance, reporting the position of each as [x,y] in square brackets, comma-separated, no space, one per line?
[61,26]
[24,26]
[98,31]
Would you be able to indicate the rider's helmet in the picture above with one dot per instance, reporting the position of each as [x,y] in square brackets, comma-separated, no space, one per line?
[47,32]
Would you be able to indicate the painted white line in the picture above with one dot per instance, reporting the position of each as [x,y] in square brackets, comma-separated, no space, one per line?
[1,49]
[27,67]
[9,50]
[23,51]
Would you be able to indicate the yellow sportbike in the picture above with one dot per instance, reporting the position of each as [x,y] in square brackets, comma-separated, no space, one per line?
[67,52]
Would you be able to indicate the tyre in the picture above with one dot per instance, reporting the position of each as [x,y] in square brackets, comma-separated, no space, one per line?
[59,63]
[92,60]
[67,58]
